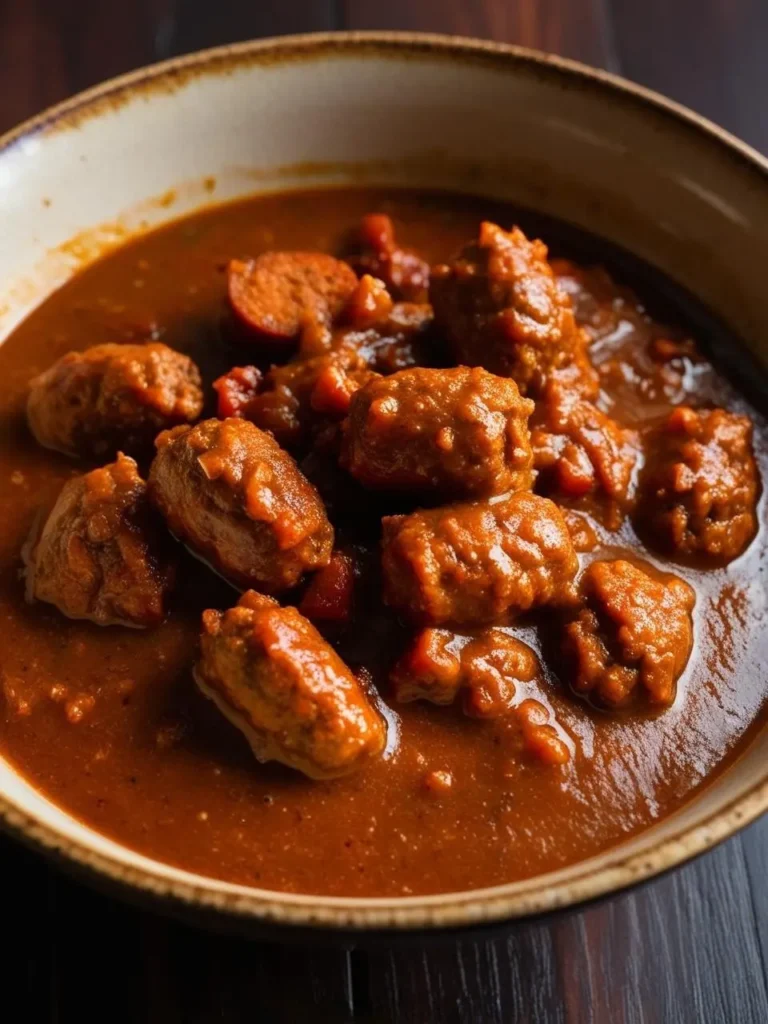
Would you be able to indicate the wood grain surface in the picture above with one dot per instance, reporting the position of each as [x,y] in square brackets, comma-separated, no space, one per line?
[690,947]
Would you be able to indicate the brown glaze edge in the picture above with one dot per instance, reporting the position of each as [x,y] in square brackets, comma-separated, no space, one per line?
[474,907]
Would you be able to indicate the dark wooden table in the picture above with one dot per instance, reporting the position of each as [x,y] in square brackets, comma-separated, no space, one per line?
[691,947]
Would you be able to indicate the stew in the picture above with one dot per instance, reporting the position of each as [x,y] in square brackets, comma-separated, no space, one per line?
[356,542]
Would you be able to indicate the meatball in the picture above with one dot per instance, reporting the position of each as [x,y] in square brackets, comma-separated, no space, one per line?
[632,639]
[500,307]
[113,397]
[404,273]
[456,433]
[101,554]
[275,678]
[700,486]
[274,295]
[474,563]
[579,451]
[240,502]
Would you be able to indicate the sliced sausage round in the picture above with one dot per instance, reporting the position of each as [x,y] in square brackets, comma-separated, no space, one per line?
[276,293]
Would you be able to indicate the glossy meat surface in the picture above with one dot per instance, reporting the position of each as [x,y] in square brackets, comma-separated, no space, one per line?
[495,673]
[487,668]
[579,451]
[101,554]
[453,433]
[632,640]
[500,307]
[299,401]
[239,501]
[473,563]
[700,490]
[275,294]
[278,680]
[113,397]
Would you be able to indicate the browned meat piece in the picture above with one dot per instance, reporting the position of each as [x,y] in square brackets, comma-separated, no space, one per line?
[493,672]
[541,734]
[275,678]
[475,563]
[579,451]
[113,397]
[455,433]
[229,491]
[101,554]
[297,402]
[300,399]
[488,669]
[700,486]
[631,641]
[501,308]
[275,294]
[404,273]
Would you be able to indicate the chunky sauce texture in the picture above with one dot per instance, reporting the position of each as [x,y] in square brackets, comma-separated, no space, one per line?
[108,723]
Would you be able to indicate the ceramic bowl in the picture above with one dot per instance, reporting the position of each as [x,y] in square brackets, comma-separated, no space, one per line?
[545,133]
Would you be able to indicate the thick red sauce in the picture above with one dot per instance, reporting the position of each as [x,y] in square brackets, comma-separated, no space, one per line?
[107,721]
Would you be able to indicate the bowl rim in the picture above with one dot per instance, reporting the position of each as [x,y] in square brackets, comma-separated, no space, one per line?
[448,910]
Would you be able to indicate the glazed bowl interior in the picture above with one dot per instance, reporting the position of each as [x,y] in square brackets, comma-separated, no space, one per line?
[414,110]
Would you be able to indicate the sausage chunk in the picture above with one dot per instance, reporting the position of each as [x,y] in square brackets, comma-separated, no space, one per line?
[101,554]
[700,487]
[474,563]
[239,501]
[113,397]
[500,306]
[579,451]
[458,433]
[404,273]
[493,672]
[276,293]
[632,639]
[275,678]
[299,401]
